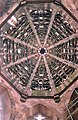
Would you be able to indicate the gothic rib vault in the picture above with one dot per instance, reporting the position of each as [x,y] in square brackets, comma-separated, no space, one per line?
[39,49]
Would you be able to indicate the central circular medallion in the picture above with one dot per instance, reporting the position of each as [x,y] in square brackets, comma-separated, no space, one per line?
[42,51]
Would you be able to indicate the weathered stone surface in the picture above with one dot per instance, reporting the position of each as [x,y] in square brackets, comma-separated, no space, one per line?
[15,110]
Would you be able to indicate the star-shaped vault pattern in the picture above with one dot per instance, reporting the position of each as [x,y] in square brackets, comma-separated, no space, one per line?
[39,49]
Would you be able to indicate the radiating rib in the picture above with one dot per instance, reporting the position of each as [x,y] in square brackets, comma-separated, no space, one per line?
[19,61]
[49,76]
[18,41]
[69,63]
[50,25]
[34,71]
[63,41]
[2,54]
[32,26]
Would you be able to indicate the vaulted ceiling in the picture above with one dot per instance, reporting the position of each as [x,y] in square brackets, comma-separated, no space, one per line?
[39,50]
